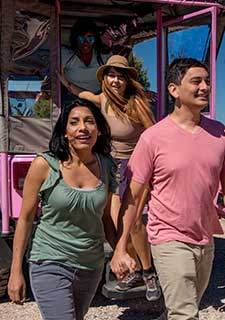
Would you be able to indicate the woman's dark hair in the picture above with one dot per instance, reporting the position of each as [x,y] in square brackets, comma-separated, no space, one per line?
[58,144]
[80,28]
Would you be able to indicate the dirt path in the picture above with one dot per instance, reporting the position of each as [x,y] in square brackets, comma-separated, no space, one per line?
[212,306]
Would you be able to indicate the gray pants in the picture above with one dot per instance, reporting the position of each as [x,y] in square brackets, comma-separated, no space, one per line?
[62,292]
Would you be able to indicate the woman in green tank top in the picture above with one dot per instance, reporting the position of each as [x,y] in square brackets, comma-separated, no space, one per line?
[73,181]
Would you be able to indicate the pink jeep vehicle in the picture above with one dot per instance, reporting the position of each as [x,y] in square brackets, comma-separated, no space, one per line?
[32,33]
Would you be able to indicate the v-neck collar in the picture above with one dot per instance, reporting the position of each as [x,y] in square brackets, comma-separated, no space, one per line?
[197,130]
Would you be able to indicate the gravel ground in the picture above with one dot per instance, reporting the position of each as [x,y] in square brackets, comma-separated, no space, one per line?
[212,306]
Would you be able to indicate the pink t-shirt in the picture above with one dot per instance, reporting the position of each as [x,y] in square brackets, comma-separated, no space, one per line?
[184,170]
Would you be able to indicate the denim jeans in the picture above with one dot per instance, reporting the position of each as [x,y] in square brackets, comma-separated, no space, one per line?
[62,292]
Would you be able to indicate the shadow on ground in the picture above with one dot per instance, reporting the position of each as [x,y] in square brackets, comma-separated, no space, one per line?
[215,292]
[138,308]
[143,309]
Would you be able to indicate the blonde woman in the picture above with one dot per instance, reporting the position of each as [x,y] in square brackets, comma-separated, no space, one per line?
[125,107]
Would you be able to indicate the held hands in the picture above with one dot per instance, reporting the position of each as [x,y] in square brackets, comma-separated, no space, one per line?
[122,264]
[17,288]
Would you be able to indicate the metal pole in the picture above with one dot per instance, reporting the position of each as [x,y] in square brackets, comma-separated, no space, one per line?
[213,64]
[159,63]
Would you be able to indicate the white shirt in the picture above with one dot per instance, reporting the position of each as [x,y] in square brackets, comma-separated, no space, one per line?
[80,74]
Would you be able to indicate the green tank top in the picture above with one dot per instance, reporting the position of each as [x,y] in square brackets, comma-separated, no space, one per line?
[70,228]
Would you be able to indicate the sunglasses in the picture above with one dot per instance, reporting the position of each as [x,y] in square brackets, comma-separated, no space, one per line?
[89,39]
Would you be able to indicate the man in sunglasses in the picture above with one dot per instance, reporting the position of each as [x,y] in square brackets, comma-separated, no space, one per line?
[82,59]
[87,38]
[85,45]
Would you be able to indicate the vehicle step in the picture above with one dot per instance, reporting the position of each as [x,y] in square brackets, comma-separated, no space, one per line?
[110,292]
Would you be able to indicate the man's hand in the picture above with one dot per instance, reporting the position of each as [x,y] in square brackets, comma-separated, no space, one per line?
[122,264]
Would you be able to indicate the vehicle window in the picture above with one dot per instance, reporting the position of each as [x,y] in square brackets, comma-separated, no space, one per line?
[147,53]
[220,80]
[192,42]
[29,81]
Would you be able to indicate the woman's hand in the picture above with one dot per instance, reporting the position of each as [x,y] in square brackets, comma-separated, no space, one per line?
[122,264]
[17,288]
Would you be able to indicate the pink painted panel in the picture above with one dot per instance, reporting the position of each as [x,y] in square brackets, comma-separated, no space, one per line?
[19,165]
[4,192]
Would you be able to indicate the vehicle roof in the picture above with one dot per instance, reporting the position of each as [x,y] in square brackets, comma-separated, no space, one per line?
[113,12]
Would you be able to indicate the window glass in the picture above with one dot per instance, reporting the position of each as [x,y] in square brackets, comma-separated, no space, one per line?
[220,80]
[147,53]
[29,81]
[192,42]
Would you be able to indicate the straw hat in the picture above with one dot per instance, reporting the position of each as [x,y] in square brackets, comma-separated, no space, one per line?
[117,62]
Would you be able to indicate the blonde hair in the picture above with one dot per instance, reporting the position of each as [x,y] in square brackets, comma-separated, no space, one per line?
[133,106]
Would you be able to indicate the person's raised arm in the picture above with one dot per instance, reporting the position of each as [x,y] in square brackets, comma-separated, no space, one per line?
[80,92]
[121,262]
[37,173]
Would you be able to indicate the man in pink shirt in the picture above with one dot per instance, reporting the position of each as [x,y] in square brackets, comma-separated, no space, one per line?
[182,157]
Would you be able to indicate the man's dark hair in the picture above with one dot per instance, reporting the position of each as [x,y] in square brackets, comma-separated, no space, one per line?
[58,144]
[179,67]
[177,70]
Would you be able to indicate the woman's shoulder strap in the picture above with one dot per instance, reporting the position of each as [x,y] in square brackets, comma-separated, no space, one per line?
[54,175]
[50,158]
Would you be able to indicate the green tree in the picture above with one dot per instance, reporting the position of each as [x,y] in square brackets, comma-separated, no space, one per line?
[42,108]
[137,63]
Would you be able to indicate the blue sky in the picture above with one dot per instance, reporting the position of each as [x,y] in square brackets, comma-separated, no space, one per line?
[220,83]
[187,43]
[22,85]
[147,52]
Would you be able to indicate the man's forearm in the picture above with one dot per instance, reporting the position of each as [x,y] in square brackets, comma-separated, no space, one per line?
[125,224]
[128,213]
[121,262]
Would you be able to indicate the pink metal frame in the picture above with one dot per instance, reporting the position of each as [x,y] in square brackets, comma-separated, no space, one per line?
[57,3]
[186,3]
[159,64]
[4,161]
[214,11]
